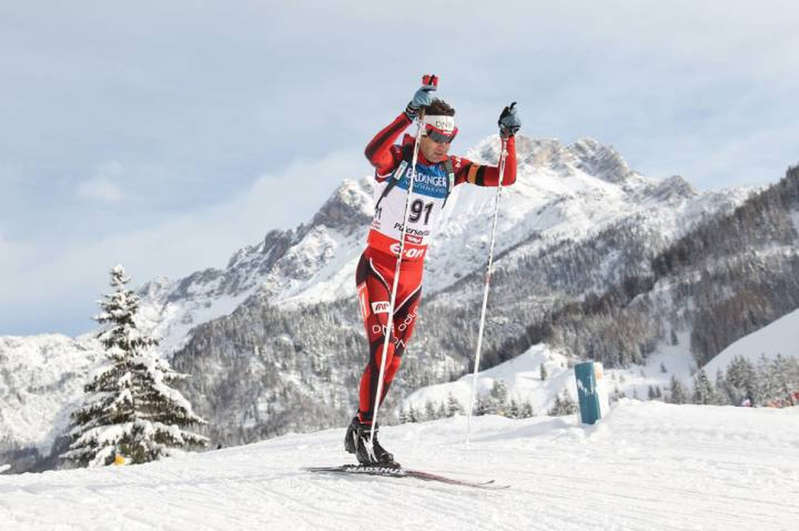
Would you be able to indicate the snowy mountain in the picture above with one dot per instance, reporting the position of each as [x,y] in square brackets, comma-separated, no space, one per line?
[647,465]
[41,383]
[562,192]
[274,342]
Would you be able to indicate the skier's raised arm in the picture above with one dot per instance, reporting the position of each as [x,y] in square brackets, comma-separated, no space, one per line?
[381,151]
[468,171]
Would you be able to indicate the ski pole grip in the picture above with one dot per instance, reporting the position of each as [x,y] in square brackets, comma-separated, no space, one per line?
[430,81]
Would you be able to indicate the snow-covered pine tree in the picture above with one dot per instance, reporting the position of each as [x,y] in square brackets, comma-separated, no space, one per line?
[769,387]
[677,395]
[453,406]
[784,373]
[130,407]
[498,398]
[429,410]
[721,389]
[651,394]
[483,406]
[442,410]
[413,414]
[563,405]
[704,392]
[741,382]
[527,410]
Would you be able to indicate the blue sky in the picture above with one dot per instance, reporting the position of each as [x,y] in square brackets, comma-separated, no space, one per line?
[166,135]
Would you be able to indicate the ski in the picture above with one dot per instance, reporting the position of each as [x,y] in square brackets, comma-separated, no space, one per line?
[400,472]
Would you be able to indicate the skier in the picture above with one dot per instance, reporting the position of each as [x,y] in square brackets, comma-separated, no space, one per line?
[437,173]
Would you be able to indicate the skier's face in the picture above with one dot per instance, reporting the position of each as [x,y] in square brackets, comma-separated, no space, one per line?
[434,151]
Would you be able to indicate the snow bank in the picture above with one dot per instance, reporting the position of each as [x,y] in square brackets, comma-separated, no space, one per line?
[648,465]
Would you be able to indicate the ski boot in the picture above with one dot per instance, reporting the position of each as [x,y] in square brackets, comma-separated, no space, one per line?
[356,441]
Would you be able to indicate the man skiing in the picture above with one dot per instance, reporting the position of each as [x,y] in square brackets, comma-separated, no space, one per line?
[436,174]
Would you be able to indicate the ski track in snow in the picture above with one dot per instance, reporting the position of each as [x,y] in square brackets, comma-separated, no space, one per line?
[648,465]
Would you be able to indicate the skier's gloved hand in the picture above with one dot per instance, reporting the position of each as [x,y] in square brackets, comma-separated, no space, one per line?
[423,97]
[509,123]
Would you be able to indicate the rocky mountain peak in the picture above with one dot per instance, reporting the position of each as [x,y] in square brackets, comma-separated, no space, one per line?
[349,208]
[586,155]
[599,160]
[674,187]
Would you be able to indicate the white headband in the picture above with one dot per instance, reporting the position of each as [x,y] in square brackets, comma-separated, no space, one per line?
[445,124]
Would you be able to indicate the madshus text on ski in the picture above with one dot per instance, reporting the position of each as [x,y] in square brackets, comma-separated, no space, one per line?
[415,179]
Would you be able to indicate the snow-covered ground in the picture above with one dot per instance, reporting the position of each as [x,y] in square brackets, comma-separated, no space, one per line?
[647,465]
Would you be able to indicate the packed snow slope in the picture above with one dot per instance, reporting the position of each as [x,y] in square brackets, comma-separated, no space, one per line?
[647,465]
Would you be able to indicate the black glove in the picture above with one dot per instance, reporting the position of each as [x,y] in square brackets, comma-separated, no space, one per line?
[422,97]
[509,123]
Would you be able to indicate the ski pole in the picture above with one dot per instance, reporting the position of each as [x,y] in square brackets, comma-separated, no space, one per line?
[502,155]
[390,324]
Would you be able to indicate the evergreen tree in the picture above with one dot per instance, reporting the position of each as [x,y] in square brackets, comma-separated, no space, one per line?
[781,368]
[514,411]
[543,372]
[527,410]
[483,406]
[498,398]
[677,395]
[704,392]
[790,372]
[564,405]
[741,382]
[453,406]
[768,384]
[429,410]
[130,407]
[721,389]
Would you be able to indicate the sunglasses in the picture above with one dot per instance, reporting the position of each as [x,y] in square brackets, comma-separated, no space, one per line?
[436,135]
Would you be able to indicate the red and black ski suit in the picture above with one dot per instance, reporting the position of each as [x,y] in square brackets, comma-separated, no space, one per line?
[374,275]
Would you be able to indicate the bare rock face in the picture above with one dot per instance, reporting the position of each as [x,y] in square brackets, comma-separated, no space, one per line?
[600,161]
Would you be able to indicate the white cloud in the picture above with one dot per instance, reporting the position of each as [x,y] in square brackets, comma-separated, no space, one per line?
[103,185]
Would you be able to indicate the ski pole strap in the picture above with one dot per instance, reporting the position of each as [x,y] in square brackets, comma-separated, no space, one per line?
[450,179]
[396,176]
